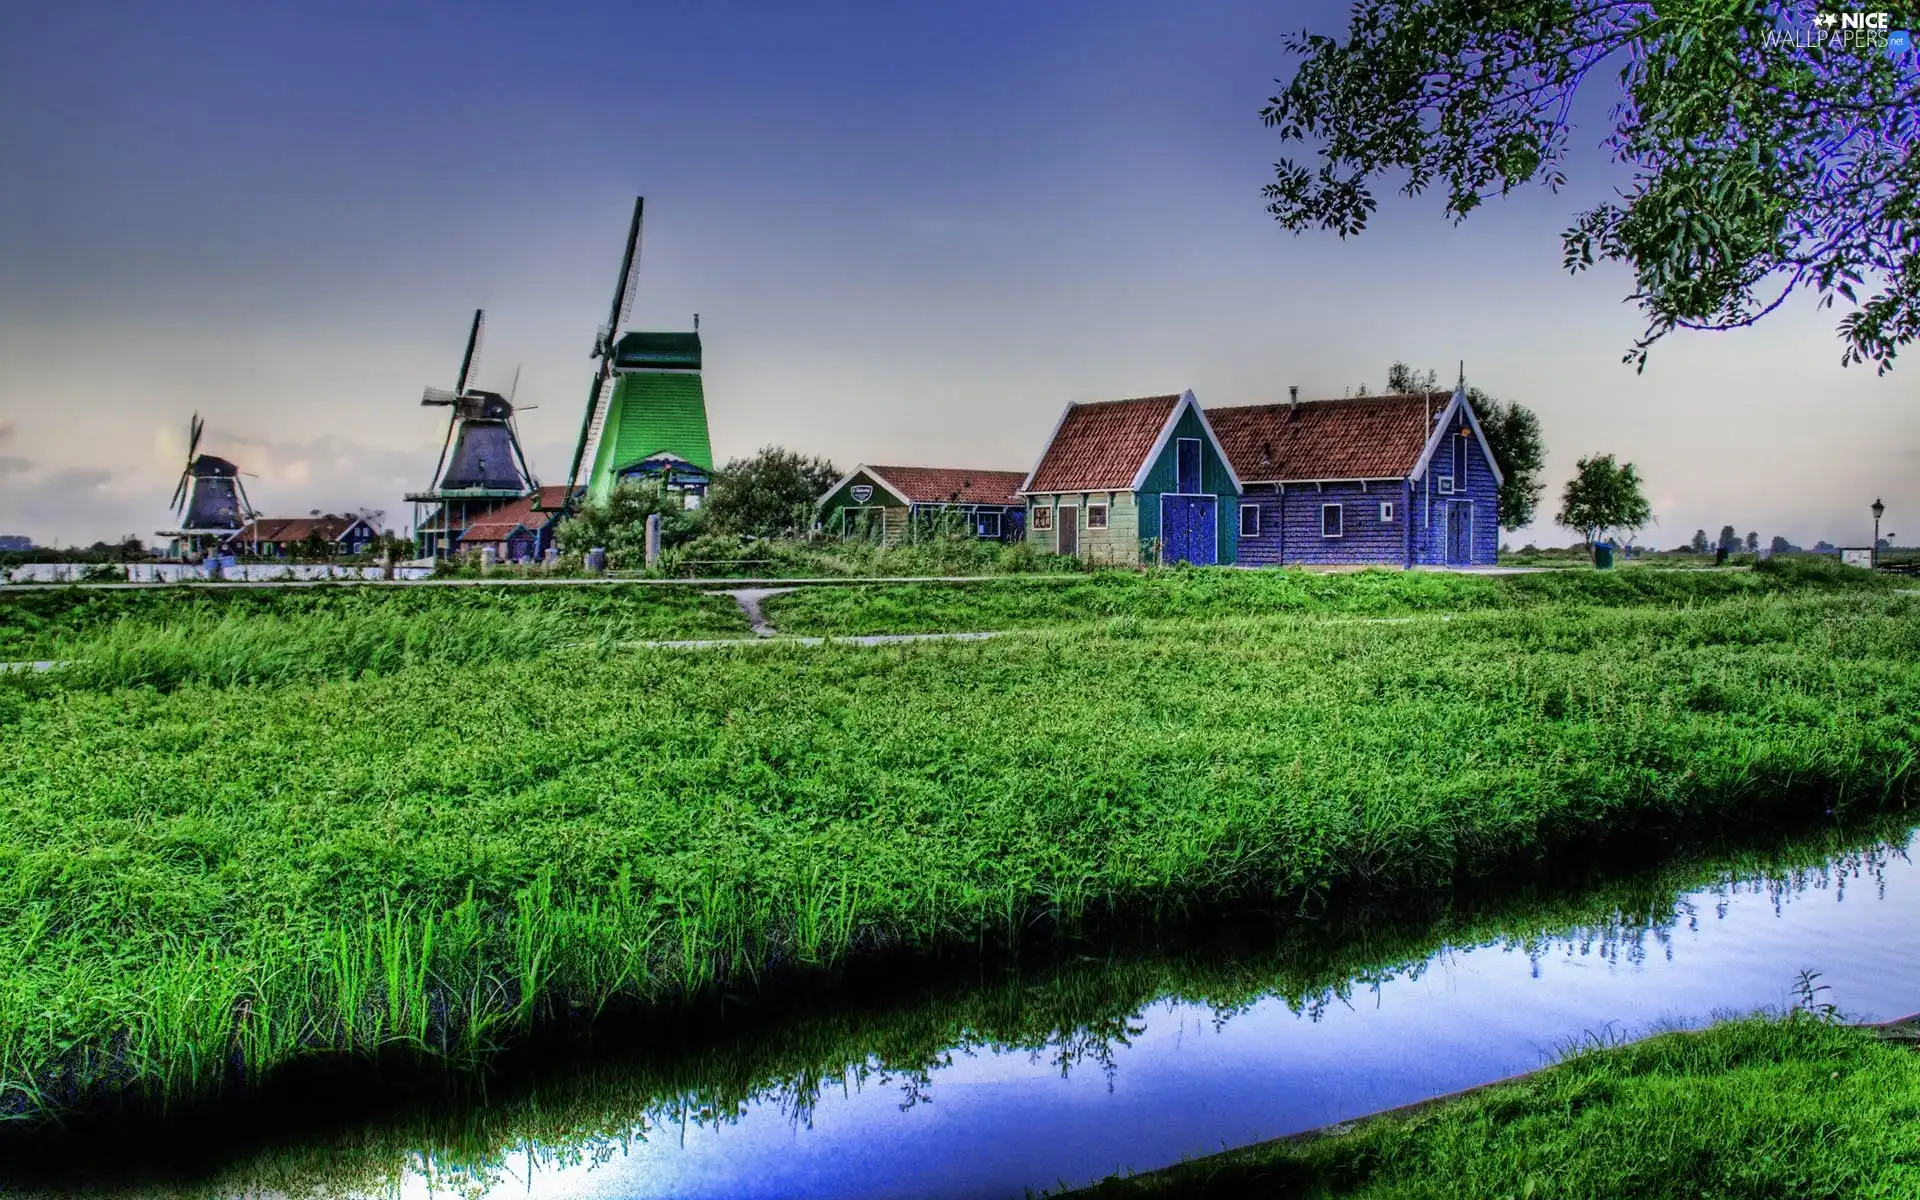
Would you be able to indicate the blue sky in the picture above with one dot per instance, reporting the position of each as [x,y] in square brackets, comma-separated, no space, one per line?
[912,232]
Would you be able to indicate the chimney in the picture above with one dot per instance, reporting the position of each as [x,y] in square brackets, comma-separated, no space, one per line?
[1293,401]
[696,322]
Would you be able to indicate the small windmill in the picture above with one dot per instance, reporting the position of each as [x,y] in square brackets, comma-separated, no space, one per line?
[481,466]
[210,502]
[646,410]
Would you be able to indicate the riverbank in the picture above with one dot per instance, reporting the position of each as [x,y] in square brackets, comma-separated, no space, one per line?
[1214,1031]
[203,882]
[1744,1110]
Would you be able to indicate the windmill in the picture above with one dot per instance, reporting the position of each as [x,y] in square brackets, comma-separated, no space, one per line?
[646,409]
[210,503]
[481,466]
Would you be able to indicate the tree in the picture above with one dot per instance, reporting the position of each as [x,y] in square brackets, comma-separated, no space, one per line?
[1603,497]
[771,494]
[1767,155]
[1513,434]
[618,524]
[1729,540]
[1699,543]
[1780,545]
[1753,542]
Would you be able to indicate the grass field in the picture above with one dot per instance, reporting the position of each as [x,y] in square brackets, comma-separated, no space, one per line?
[163,637]
[1748,1110]
[1198,595]
[206,880]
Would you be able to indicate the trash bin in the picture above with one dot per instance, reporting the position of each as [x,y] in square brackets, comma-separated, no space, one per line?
[1603,557]
[596,560]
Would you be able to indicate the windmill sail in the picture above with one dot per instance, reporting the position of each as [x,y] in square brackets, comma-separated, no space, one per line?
[600,394]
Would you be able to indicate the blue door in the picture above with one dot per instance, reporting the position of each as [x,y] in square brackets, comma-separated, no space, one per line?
[1459,533]
[1187,530]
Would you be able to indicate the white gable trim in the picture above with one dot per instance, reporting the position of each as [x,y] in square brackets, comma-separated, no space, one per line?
[1185,402]
[1046,447]
[1438,435]
[846,479]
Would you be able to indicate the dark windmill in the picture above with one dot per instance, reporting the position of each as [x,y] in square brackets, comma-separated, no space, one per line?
[481,467]
[210,502]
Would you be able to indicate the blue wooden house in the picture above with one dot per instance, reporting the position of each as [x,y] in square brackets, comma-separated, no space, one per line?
[1130,481]
[1399,480]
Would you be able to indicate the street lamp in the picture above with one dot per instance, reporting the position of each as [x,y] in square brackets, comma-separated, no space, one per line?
[1878,508]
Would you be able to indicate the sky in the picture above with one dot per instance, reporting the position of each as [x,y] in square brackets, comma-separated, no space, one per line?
[912,233]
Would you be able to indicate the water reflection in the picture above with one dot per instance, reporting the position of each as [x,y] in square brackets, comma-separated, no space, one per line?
[1021,1081]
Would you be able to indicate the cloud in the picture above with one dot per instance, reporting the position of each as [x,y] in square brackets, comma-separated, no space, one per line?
[79,478]
[13,465]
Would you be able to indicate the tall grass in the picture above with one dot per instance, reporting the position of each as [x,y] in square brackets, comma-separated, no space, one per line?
[200,884]
[1214,594]
[43,624]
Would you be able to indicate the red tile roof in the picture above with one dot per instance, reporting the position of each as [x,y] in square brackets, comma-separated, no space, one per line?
[285,530]
[952,485]
[1366,437]
[1099,447]
[499,524]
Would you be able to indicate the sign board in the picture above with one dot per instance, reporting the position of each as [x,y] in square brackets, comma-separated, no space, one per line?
[862,492]
[1856,557]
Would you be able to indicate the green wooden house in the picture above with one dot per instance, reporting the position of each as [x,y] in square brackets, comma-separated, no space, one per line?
[655,423]
[1131,481]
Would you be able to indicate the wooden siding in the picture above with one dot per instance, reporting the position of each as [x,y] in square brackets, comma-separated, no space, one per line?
[1214,481]
[1428,505]
[1118,543]
[1365,540]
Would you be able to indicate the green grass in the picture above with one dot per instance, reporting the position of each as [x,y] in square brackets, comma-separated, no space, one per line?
[1746,1110]
[162,636]
[1208,594]
[212,879]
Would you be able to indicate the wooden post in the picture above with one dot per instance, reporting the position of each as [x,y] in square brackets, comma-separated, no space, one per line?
[653,540]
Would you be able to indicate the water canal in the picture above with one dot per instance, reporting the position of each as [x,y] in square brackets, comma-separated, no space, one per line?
[996,1104]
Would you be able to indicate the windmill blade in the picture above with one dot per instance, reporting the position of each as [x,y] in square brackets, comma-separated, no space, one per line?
[629,280]
[515,389]
[179,493]
[195,427]
[434,395]
[473,351]
[594,393]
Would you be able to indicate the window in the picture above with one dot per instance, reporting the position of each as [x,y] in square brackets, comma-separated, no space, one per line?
[1445,483]
[1331,521]
[1249,520]
[1042,517]
[1386,512]
[989,525]
[1096,516]
[1187,467]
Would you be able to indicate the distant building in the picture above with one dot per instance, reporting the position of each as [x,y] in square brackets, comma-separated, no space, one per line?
[15,541]
[520,531]
[899,504]
[283,536]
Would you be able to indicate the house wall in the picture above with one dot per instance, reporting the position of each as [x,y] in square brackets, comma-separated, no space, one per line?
[1365,539]
[1263,550]
[1215,480]
[842,497]
[1118,543]
[1430,526]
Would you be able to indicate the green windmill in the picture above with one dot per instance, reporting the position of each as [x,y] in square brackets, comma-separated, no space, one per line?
[646,413]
